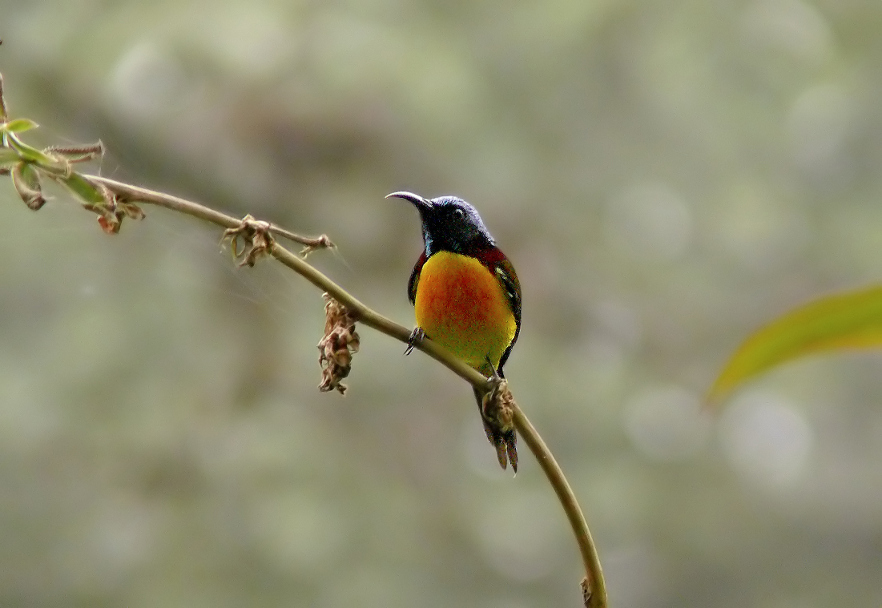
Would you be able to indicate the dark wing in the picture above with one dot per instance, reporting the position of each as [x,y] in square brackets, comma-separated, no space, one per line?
[500,266]
[415,278]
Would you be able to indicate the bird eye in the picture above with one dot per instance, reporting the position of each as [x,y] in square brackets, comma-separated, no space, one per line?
[458,213]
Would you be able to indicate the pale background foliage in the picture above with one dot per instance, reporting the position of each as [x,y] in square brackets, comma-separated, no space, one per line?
[665,176]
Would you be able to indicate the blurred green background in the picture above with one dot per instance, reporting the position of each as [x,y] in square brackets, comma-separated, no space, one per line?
[666,176]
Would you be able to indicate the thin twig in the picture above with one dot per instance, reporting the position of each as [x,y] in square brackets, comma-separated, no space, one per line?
[311,243]
[595,589]
[160,199]
[142,195]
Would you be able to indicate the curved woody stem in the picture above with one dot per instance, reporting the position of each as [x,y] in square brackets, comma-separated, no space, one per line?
[593,586]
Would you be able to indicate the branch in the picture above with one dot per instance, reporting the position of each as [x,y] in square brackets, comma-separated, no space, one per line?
[113,201]
[129,193]
[593,586]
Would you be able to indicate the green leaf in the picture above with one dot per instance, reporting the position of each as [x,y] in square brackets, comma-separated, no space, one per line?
[18,125]
[842,321]
[84,189]
[50,164]
[8,158]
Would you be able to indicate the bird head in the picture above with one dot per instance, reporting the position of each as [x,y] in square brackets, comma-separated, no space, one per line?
[449,223]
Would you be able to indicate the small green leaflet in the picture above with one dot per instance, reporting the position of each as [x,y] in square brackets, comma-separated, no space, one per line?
[18,125]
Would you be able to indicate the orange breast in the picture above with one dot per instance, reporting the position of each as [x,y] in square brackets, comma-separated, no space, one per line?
[460,304]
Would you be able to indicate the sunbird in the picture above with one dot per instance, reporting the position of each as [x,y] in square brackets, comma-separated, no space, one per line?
[466,294]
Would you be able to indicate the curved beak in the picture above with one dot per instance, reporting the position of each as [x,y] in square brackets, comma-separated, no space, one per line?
[418,201]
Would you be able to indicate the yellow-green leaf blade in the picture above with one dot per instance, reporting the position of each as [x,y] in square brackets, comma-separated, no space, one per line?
[841,321]
[84,189]
[18,125]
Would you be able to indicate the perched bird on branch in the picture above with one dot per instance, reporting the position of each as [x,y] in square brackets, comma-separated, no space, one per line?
[466,296]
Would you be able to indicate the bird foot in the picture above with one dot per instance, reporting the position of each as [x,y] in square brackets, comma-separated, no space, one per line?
[497,416]
[416,336]
[490,397]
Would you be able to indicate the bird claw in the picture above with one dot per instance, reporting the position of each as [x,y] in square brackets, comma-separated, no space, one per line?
[416,336]
[495,378]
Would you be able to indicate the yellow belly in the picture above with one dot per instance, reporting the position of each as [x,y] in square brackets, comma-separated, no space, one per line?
[461,305]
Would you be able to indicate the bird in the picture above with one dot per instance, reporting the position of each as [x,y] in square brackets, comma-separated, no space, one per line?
[466,296]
